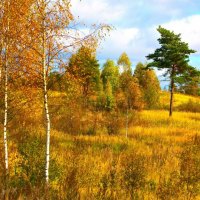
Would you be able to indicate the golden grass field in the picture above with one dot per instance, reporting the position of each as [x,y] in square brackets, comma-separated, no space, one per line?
[179,99]
[154,137]
[160,159]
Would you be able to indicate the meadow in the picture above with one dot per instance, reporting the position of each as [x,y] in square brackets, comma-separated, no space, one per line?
[160,158]
[80,123]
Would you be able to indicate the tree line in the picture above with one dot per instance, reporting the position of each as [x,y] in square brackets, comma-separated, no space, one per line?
[115,86]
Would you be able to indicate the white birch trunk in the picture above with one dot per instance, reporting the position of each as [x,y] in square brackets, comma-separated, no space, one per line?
[46,105]
[6,93]
[6,110]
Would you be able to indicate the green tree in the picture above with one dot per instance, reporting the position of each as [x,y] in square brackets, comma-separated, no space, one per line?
[101,97]
[172,56]
[125,62]
[192,87]
[110,101]
[84,68]
[139,73]
[149,84]
[110,73]
[131,94]
[189,83]
[55,81]
[152,90]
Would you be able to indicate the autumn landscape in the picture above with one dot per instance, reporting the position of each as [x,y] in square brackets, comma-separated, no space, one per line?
[97,106]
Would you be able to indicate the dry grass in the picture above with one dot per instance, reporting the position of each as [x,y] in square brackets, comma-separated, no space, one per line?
[148,165]
[154,136]
[179,99]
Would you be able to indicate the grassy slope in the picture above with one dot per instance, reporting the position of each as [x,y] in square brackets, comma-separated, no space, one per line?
[179,99]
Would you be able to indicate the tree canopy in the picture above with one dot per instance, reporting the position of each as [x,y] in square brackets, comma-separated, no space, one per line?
[125,62]
[149,85]
[110,73]
[85,69]
[172,56]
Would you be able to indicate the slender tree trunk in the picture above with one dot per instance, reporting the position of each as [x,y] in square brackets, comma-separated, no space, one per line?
[1,49]
[171,92]
[46,106]
[6,123]
[6,65]
[1,36]
[127,122]
[6,109]
[1,58]
[1,66]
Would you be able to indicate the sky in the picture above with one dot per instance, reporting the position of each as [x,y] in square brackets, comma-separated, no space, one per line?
[135,23]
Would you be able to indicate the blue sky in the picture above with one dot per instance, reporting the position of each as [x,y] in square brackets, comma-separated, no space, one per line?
[135,23]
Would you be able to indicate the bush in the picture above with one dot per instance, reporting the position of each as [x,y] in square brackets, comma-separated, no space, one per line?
[169,188]
[190,169]
[190,106]
[114,123]
[133,174]
[29,177]
[108,184]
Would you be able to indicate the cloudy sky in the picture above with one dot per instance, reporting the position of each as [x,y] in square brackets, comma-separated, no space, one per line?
[135,23]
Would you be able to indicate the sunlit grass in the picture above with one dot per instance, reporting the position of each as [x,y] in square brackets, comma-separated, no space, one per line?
[154,135]
[179,99]
[156,138]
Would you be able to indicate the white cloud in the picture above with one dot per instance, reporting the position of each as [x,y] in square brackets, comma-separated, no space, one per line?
[97,11]
[120,40]
[132,33]
[139,42]
[136,42]
[189,29]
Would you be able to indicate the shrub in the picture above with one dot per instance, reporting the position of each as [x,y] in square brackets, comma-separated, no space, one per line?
[190,168]
[133,174]
[190,106]
[169,188]
[30,172]
[114,123]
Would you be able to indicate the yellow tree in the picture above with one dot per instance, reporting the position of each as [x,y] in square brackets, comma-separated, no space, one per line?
[50,20]
[52,36]
[132,94]
[125,62]
[5,45]
[2,4]
[11,22]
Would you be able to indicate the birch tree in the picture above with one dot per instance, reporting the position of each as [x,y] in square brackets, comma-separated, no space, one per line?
[54,34]
[8,50]
[1,37]
[5,44]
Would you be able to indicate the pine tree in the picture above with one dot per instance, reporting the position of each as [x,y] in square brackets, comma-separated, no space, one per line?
[172,56]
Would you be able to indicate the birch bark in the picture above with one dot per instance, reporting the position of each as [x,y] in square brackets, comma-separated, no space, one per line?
[6,91]
[46,107]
